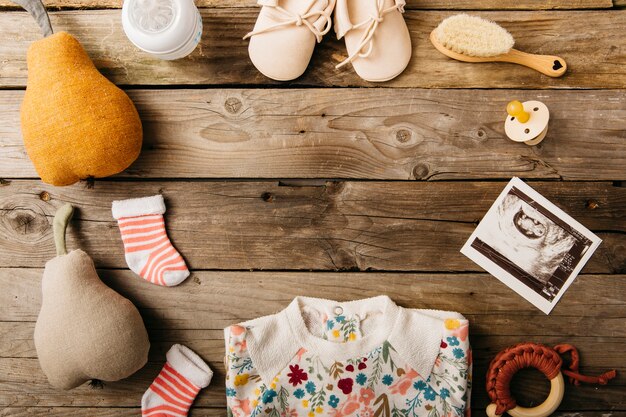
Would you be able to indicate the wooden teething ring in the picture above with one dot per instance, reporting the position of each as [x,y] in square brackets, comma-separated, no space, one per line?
[548,361]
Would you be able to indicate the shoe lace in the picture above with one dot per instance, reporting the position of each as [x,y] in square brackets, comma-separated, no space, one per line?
[367,39]
[298,19]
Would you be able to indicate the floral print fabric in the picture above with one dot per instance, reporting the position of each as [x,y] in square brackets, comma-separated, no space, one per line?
[376,384]
[340,328]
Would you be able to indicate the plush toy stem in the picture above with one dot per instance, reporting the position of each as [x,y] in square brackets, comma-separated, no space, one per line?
[38,11]
[59,225]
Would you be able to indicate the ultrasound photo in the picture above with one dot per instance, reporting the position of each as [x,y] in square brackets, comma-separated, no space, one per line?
[531,245]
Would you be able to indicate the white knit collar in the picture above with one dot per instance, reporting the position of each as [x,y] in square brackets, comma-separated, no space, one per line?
[273,341]
[414,334]
[360,308]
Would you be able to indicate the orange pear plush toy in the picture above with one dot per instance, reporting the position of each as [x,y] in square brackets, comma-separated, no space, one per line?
[76,124]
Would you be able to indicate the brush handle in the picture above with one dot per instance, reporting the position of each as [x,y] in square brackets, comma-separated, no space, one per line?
[550,65]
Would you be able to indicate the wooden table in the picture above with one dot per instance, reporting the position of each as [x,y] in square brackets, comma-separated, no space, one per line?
[319,187]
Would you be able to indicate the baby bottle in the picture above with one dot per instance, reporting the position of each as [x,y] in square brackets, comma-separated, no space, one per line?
[166,29]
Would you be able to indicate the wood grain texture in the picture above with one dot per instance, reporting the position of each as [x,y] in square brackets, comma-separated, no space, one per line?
[357,133]
[595,60]
[453,132]
[607,351]
[209,412]
[589,316]
[136,411]
[215,300]
[408,226]
[24,385]
[411,4]
[598,353]
[103,412]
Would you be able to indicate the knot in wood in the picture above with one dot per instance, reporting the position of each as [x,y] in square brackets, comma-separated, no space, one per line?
[232,105]
[592,204]
[21,222]
[44,196]
[481,135]
[421,171]
[403,135]
[334,187]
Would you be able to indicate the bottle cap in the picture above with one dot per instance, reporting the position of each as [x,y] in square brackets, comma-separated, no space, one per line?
[167,29]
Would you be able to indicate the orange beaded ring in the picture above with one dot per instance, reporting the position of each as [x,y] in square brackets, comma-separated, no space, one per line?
[548,361]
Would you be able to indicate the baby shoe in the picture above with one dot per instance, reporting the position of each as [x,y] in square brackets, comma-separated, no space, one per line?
[377,38]
[283,38]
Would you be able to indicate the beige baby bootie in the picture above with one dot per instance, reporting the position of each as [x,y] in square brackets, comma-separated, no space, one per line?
[377,38]
[284,36]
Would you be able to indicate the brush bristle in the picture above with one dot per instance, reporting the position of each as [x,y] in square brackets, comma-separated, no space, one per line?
[473,36]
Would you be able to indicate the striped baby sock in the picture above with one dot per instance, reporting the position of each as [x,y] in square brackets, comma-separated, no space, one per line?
[177,385]
[149,252]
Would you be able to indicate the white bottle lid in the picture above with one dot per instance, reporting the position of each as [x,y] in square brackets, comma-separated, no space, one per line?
[167,29]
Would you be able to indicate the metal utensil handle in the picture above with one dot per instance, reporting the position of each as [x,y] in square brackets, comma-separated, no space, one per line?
[38,11]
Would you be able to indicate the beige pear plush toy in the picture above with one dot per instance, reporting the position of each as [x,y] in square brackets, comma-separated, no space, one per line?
[85,330]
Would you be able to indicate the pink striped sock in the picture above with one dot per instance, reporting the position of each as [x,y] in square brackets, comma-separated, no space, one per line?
[149,252]
[177,385]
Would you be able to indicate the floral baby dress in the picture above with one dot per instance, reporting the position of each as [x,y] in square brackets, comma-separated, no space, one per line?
[364,358]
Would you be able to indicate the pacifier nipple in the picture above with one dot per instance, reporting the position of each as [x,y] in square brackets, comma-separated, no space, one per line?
[527,122]
[516,109]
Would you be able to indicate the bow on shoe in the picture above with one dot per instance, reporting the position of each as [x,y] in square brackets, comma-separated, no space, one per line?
[298,19]
[371,24]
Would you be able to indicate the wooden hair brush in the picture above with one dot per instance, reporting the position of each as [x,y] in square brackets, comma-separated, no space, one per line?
[474,39]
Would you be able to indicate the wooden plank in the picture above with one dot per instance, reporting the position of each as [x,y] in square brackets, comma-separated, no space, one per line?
[95,412]
[357,133]
[595,60]
[598,352]
[24,384]
[411,4]
[590,315]
[213,412]
[593,306]
[408,226]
